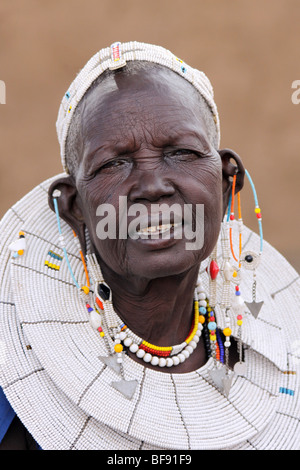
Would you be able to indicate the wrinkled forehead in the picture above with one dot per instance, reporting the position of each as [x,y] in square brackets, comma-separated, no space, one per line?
[153,90]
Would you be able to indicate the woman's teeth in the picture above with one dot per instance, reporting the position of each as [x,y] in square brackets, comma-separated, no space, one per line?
[156,229]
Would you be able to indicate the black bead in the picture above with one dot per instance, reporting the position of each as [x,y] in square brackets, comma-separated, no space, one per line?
[103,291]
[249,258]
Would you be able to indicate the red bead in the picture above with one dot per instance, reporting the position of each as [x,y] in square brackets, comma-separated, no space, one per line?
[99,303]
[213,269]
[240,317]
[258,216]
[237,288]
[231,216]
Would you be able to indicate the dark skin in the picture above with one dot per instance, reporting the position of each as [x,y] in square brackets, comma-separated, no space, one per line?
[143,137]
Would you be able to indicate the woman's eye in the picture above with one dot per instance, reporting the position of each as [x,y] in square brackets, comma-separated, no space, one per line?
[111,165]
[182,154]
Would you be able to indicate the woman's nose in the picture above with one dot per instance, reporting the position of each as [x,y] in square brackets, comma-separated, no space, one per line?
[150,185]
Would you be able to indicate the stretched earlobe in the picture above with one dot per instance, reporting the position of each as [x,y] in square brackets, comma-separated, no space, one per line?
[229,169]
[68,201]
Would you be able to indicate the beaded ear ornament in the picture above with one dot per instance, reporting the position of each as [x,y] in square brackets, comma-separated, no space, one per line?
[231,274]
[248,260]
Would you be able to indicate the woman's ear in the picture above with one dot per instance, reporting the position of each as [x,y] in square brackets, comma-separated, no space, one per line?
[231,165]
[69,206]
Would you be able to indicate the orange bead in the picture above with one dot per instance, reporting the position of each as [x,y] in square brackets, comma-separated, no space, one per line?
[85,289]
[20,252]
[118,348]
[227,331]
[201,319]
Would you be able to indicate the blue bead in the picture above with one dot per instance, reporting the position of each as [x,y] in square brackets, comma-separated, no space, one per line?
[237,292]
[202,310]
[212,325]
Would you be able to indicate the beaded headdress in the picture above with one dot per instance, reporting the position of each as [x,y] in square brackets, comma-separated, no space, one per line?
[116,56]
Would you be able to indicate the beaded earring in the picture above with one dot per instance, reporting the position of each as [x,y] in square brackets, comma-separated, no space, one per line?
[248,260]
[220,375]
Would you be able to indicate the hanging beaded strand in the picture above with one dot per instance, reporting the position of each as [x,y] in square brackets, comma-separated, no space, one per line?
[249,259]
[94,317]
[238,303]
[213,270]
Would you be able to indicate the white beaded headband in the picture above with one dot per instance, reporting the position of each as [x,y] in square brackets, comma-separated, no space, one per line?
[114,57]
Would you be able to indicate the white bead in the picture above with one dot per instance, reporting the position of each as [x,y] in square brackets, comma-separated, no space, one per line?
[200,289]
[227,344]
[147,357]
[202,303]
[128,342]
[189,349]
[140,353]
[122,335]
[181,357]
[119,360]
[176,361]
[95,320]
[162,362]
[186,353]
[193,344]
[133,347]
[154,360]
[170,362]
[196,338]
[201,296]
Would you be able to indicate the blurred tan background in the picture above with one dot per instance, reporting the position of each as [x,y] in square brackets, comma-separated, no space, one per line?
[248,48]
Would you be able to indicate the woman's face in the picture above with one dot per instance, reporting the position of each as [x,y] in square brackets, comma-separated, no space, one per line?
[143,138]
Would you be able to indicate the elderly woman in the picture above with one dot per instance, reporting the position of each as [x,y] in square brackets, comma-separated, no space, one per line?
[122,323]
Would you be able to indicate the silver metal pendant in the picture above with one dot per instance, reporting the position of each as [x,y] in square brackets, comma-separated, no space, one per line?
[227,381]
[126,387]
[240,368]
[254,307]
[217,376]
[111,362]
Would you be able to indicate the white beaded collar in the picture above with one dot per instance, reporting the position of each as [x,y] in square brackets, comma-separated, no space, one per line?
[52,359]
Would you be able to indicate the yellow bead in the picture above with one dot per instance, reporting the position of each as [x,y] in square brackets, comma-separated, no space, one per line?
[21,233]
[20,252]
[240,322]
[257,210]
[234,274]
[213,337]
[85,289]
[118,348]
[201,319]
[227,331]
[102,334]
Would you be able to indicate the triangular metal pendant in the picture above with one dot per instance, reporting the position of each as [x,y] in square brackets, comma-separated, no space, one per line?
[111,362]
[227,381]
[254,307]
[126,387]
[217,376]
